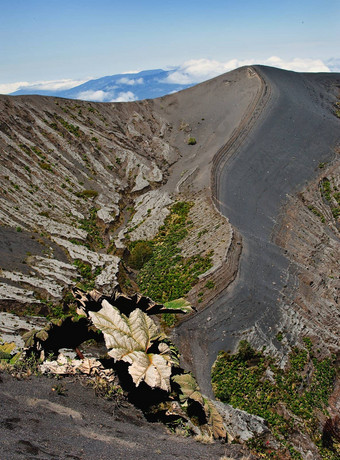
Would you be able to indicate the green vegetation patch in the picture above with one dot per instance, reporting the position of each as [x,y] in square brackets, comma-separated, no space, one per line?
[287,399]
[140,253]
[326,189]
[87,194]
[167,275]
[94,235]
[88,275]
[317,213]
[70,127]
[46,166]
[330,193]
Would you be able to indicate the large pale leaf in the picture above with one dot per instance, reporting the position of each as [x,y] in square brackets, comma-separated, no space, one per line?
[189,388]
[124,335]
[128,339]
[151,368]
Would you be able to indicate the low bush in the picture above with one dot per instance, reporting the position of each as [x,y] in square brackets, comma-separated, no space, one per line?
[140,254]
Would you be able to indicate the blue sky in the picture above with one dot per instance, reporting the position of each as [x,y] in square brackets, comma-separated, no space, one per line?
[79,39]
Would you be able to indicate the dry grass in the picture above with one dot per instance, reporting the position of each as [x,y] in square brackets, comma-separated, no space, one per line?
[204,438]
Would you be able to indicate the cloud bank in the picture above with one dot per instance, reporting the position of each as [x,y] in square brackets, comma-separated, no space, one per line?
[96,96]
[191,72]
[50,85]
[130,81]
[198,70]
[127,96]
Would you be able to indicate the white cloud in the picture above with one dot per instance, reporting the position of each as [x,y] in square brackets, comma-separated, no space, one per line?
[197,70]
[334,64]
[130,71]
[49,85]
[127,96]
[95,96]
[130,81]
[298,64]
[6,88]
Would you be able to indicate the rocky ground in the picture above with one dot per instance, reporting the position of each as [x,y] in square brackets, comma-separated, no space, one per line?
[309,232]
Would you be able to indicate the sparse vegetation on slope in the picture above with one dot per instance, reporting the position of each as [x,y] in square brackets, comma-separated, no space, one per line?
[94,235]
[288,399]
[167,275]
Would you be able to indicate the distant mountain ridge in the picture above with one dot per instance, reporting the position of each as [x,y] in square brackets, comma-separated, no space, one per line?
[147,84]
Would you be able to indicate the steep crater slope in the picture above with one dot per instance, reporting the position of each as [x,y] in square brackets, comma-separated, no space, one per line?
[68,169]
[295,132]
[80,180]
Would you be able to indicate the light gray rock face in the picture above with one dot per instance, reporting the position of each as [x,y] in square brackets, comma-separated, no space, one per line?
[9,292]
[108,214]
[151,211]
[10,324]
[57,228]
[241,425]
[146,175]
[49,285]
[107,279]
[54,269]
[64,163]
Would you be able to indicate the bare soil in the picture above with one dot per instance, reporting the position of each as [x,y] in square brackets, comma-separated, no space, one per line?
[38,423]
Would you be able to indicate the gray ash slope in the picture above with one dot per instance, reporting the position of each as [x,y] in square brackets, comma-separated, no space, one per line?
[294,132]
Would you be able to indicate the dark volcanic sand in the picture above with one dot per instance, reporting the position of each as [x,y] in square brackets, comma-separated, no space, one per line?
[37,423]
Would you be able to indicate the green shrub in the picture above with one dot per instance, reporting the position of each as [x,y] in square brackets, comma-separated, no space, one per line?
[210,284]
[70,128]
[88,276]
[87,194]
[191,141]
[169,319]
[46,166]
[94,236]
[140,254]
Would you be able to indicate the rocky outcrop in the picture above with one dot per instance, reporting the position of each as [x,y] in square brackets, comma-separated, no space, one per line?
[241,425]
[309,232]
[61,159]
